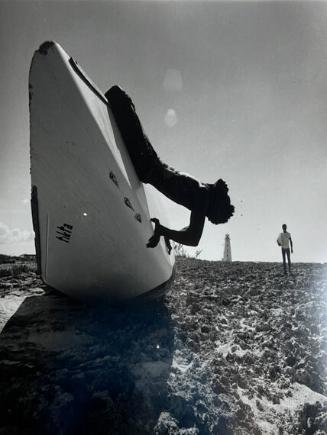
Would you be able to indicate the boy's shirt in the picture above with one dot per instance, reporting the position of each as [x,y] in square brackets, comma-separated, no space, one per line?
[284,239]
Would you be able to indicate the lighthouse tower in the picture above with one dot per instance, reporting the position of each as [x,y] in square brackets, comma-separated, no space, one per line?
[227,249]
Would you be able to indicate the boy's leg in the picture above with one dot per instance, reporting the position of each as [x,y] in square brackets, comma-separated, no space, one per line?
[178,187]
[289,259]
[142,154]
[284,260]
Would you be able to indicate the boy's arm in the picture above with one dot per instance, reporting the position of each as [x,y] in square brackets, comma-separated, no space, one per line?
[190,235]
[291,242]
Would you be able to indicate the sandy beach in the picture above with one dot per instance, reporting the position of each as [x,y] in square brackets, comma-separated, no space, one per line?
[233,349]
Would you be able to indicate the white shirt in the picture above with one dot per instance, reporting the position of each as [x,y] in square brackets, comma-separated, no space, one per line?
[284,239]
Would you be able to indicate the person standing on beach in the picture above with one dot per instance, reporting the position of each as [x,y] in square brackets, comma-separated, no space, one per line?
[285,242]
[202,199]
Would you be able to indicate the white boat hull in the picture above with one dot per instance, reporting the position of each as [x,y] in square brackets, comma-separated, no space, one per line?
[91,214]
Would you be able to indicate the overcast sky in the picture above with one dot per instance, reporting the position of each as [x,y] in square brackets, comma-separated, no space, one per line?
[232,90]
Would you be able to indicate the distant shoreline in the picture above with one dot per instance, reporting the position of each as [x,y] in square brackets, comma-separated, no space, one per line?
[11,259]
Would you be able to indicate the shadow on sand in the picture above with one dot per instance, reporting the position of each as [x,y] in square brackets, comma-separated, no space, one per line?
[68,368]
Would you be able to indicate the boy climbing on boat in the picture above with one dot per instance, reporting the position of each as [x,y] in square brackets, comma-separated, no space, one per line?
[202,199]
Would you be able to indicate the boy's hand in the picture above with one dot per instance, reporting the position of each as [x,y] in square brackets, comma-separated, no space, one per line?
[168,245]
[154,240]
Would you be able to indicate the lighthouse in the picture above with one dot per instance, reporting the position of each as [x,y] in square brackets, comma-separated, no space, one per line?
[227,249]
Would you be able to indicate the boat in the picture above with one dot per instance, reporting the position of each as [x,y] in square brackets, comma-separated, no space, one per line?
[91,214]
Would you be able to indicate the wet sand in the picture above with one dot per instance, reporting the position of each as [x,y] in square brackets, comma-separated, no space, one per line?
[233,349]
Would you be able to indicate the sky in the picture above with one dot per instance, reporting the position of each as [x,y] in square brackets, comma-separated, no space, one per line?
[233,90]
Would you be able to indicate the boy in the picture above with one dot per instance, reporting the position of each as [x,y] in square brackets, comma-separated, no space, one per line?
[285,241]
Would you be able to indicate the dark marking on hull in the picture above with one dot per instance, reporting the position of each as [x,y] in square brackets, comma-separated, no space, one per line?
[128,203]
[138,217]
[36,227]
[30,94]
[45,47]
[64,232]
[113,178]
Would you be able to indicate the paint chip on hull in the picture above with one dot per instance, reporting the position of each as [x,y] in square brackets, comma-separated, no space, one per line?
[45,47]
[113,178]
[128,203]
